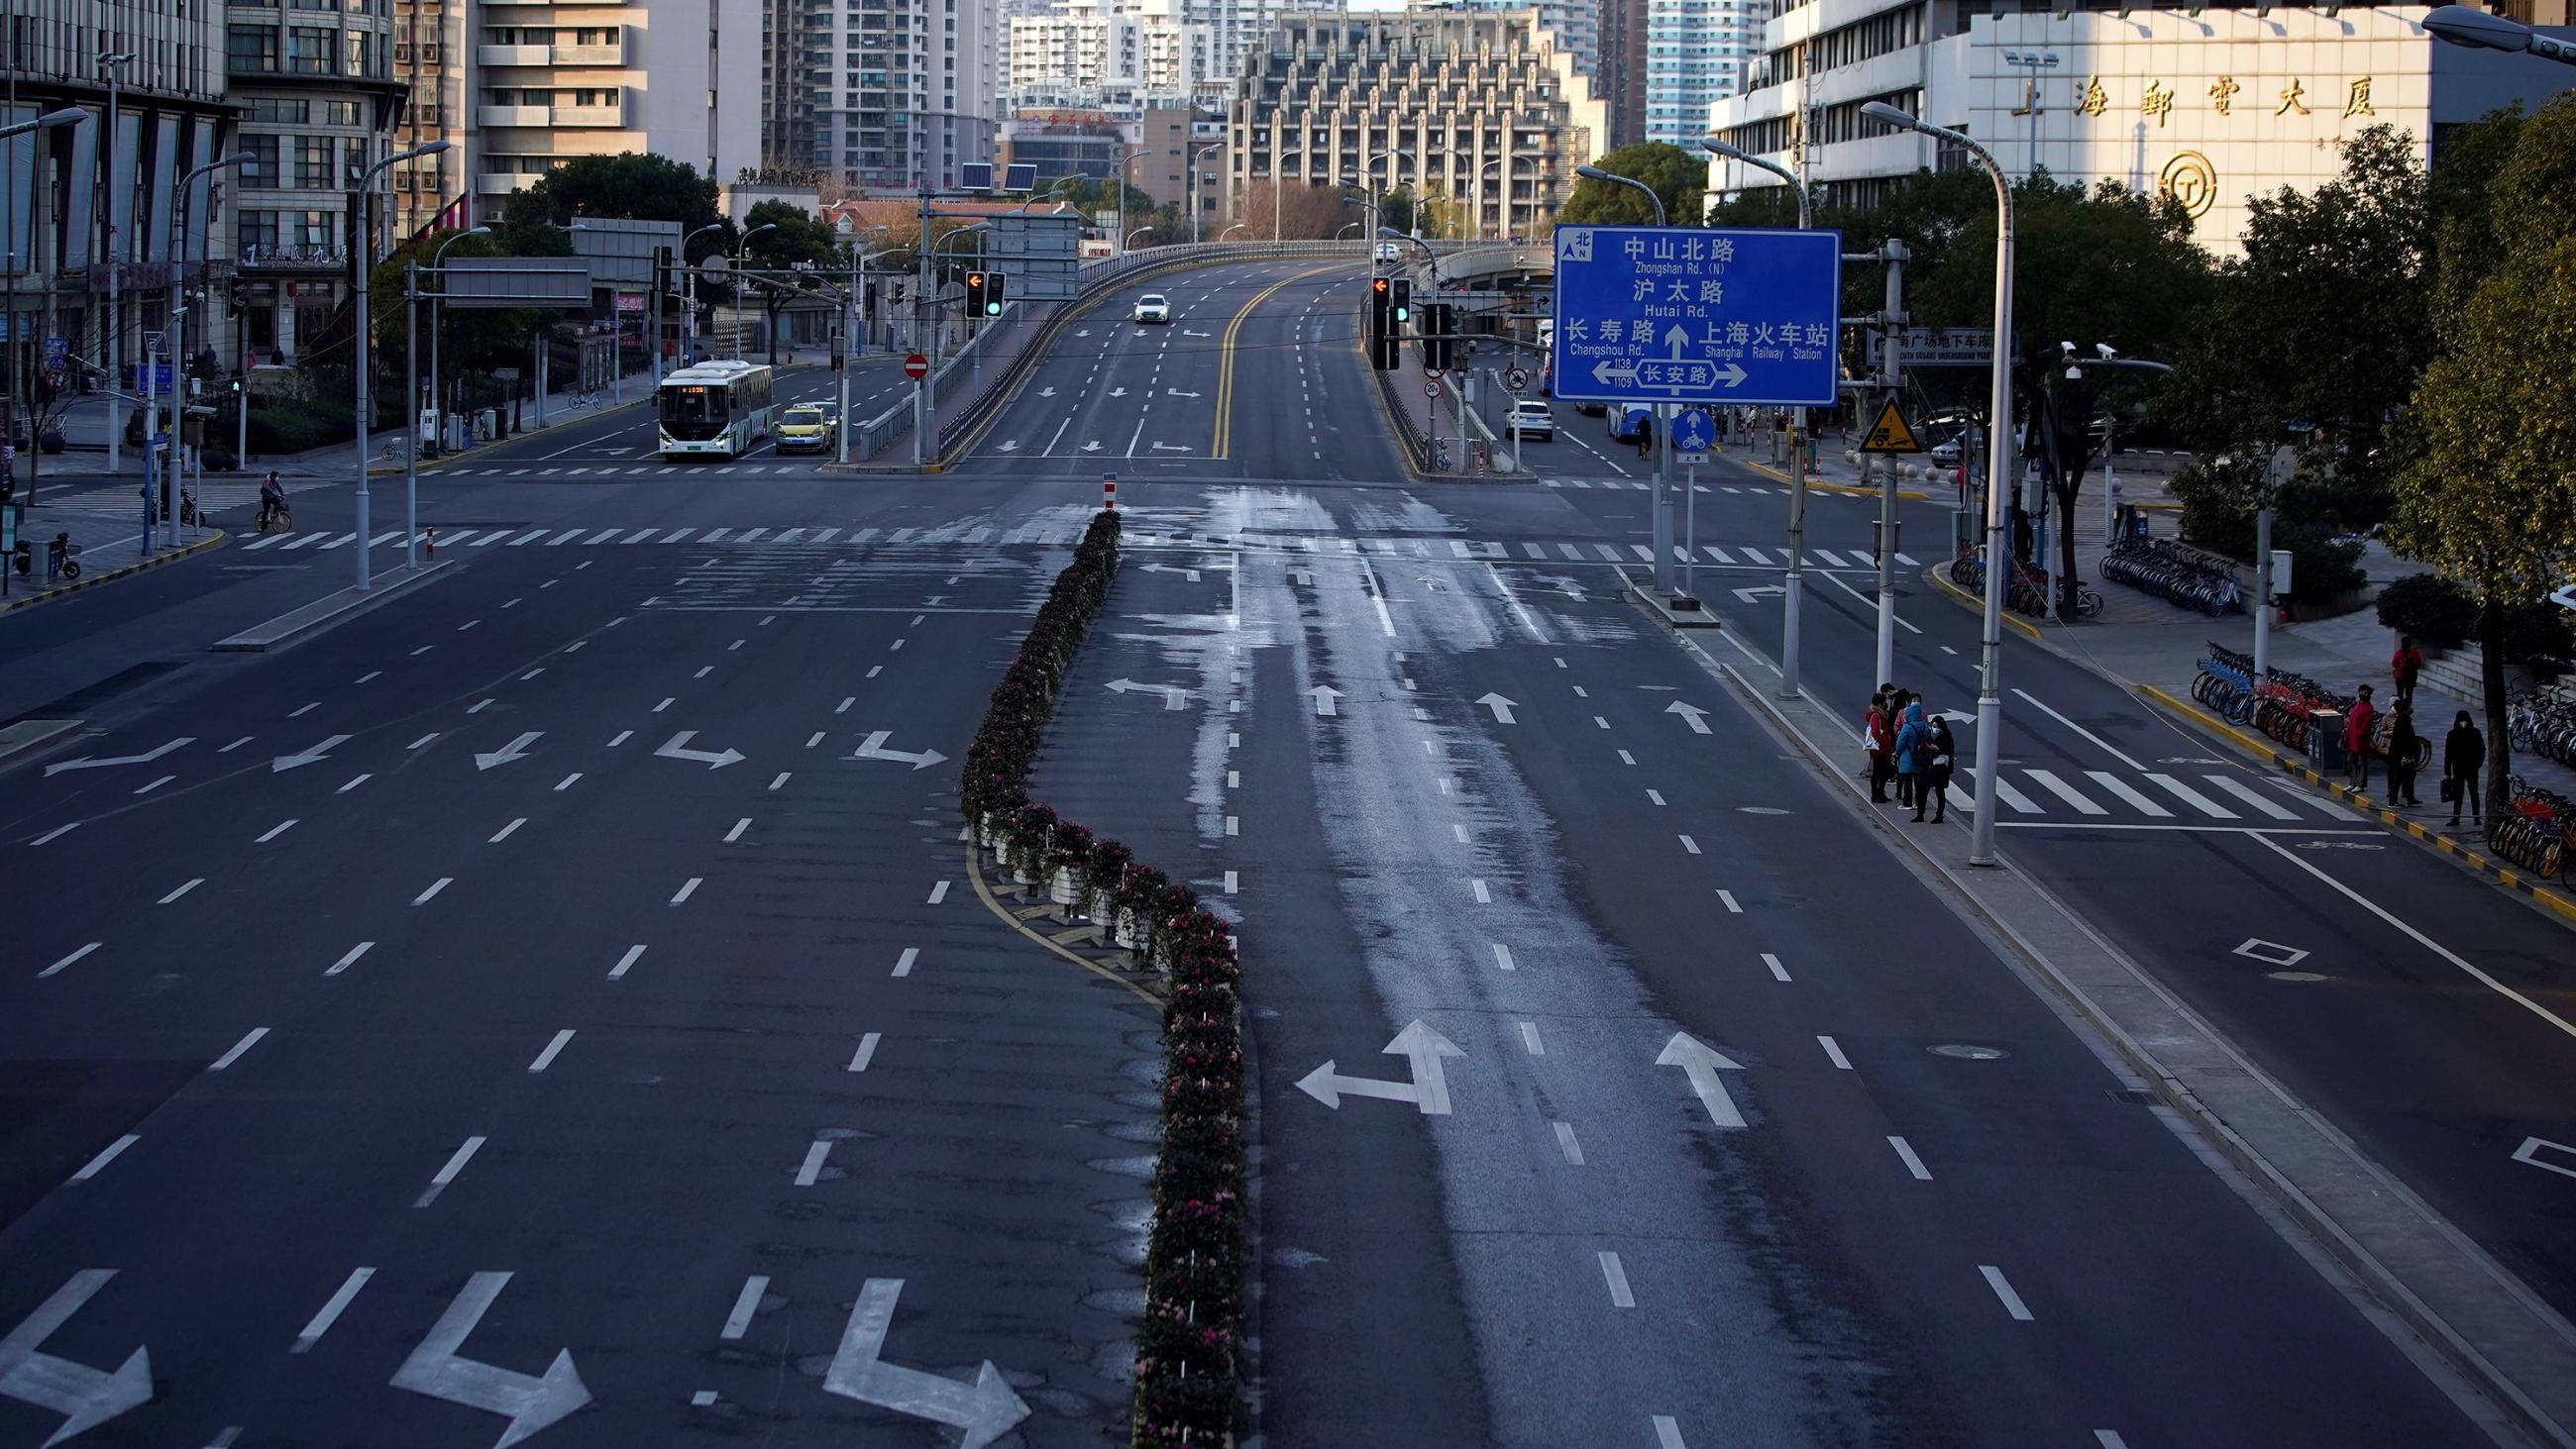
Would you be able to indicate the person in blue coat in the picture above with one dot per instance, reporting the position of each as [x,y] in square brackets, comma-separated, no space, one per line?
[1913,741]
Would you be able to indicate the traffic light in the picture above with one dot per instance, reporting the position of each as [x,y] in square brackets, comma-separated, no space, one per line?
[1379,312]
[1439,335]
[1400,302]
[974,294]
[1381,334]
[995,284]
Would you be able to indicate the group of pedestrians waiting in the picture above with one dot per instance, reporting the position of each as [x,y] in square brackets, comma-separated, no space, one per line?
[1910,747]
[2464,749]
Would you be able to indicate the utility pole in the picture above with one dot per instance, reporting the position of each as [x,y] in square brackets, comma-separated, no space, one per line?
[922,449]
[1892,377]
[118,187]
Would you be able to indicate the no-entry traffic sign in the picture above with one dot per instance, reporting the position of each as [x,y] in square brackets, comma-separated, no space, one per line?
[916,367]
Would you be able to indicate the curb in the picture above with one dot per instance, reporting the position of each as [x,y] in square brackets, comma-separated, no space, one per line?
[1939,577]
[112,575]
[329,611]
[1852,489]
[984,893]
[2433,841]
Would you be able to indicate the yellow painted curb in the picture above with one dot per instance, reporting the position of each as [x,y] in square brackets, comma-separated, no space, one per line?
[2264,749]
[1939,574]
[1852,489]
[975,875]
[112,575]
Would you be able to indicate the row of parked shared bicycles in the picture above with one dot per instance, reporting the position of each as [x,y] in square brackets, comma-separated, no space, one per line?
[2175,572]
[2028,591]
[2536,830]
[2284,704]
[2543,721]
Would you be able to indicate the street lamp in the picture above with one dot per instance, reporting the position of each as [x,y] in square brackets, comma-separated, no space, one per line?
[1990,704]
[689,284]
[1229,231]
[69,115]
[1131,238]
[2033,61]
[2466,25]
[366,263]
[925,417]
[742,249]
[411,382]
[1796,582]
[1044,194]
[179,219]
[437,324]
[1122,198]
[1190,155]
[1346,227]
[114,63]
[1595,173]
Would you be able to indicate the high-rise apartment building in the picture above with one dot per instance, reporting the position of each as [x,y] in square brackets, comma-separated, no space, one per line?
[1696,54]
[1619,70]
[904,90]
[1576,24]
[1094,52]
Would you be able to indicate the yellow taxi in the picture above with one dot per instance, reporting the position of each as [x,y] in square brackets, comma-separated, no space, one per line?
[804,427]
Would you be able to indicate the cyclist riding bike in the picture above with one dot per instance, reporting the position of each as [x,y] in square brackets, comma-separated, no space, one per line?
[272,502]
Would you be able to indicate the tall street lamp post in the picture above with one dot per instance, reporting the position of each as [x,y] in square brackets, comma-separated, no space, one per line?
[411,382]
[2032,61]
[364,245]
[1190,155]
[689,303]
[437,328]
[1131,160]
[114,63]
[179,220]
[741,250]
[2484,30]
[1663,519]
[1990,704]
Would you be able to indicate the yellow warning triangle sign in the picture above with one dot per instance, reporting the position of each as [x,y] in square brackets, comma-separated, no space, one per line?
[1891,433]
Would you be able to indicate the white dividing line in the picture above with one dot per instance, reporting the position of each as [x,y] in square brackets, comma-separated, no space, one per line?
[2127,796]
[353,784]
[447,1174]
[155,785]
[622,737]
[57,833]
[1503,957]
[939,893]
[813,1166]
[666,704]
[875,669]
[1690,845]
[845,705]
[1778,971]
[301,713]
[2427,942]
[814,739]
[2192,797]
[2112,750]
[67,961]
[903,963]
[435,887]
[422,741]
[508,830]
[2109,1439]
[1668,1434]
[2004,1290]
[1458,830]
[1834,1053]
[618,971]
[345,962]
[738,1321]
[781,780]
[183,890]
[1656,796]
[1566,1144]
[235,745]
[332,1310]
[1627,759]
[1617,1278]
[2262,805]
[114,1149]
[274,831]
[245,1044]
[867,1049]
[1530,1041]
[1229,882]
[2047,780]
[1727,899]
[1913,1164]
[688,890]
[546,1058]
[1232,826]
[1483,896]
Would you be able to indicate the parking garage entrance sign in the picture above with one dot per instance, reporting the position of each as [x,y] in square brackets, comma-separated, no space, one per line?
[1648,314]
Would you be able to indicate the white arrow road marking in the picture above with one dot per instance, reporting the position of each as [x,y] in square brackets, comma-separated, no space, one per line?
[1161,447]
[308,756]
[515,750]
[1050,391]
[1696,716]
[1152,568]
[1703,1064]
[1174,696]
[1750,595]
[530,1403]
[1501,707]
[1429,1090]
[1176,392]
[102,762]
[1092,447]
[1117,392]
[676,748]
[873,748]
[1325,694]
[1012,446]
[983,1411]
[85,1396]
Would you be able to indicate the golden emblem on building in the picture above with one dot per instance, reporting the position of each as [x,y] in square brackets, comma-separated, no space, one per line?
[2190,180]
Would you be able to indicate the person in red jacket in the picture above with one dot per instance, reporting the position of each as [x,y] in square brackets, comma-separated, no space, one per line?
[1881,745]
[2356,740]
[2404,666]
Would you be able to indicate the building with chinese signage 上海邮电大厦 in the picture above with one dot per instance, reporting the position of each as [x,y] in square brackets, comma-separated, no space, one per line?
[2207,104]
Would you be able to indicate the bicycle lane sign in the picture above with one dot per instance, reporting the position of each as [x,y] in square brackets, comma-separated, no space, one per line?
[1685,314]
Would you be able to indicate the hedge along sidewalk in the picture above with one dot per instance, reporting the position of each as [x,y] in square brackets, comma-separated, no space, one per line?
[1187,1382]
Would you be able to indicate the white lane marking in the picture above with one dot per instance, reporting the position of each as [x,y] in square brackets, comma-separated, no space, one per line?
[1832,560]
[1689,844]
[875,669]
[345,962]
[939,893]
[867,1049]
[422,741]
[301,713]
[1668,1434]
[1229,882]
[1913,1164]
[508,830]
[435,887]
[2114,751]
[57,833]
[354,782]
[2004,789]
[665,704]
[2127,796]
[1231,826]
[1657,796]
[622,737]
[1530,1041]
[1503,957]
[1483,896]
[1901,621]
[183,890]
[331,1311]
[239,1047]
[2232,786]
[844,707]
[703,671]
[739,827]
[2192,797]
[1458,830]
[687,890]
[1603,723]
[1617,1277]
[274,831]
[447,1174]
[2047,780]
[112,1152]
[1627,759]
[903,963]
[546,1058]
[813,1164]
[1834,1052]
[744,1304]
[1566,1144]
[1778,971]
[155,785]
[2004,1290]
[780,780]
[623,962]
[2427,942]
[1727,899]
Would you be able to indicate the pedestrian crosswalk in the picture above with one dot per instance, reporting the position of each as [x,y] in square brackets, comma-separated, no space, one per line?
[627,470]
[2030,795]
[1641,485]
[1056,533]
[214,496]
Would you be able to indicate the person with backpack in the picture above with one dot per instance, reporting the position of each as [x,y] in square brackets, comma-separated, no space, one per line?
[1912,758]
[1939,756]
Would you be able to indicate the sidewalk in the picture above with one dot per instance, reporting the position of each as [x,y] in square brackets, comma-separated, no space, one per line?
[106,545]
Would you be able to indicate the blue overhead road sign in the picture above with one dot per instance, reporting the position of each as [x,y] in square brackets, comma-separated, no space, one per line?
[1685,314]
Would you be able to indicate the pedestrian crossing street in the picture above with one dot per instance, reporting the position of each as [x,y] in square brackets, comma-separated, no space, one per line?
[214,497]
[1054,533]
[2175,798]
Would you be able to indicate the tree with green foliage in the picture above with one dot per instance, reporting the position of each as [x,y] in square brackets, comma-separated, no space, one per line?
[628,185]
[1676,176]
[2489,498]
[799,237]
[471,340]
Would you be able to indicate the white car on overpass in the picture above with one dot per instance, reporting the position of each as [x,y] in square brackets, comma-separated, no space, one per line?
[1153,307]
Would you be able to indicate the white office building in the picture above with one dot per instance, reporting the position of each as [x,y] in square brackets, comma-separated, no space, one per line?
[1087,51]
[904,90]
[1575,24]
[2209,105]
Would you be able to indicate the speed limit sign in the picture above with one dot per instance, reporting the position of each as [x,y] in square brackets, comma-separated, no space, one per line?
[1516,377]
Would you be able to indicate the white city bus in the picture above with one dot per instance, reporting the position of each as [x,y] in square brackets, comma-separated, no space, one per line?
[715,409]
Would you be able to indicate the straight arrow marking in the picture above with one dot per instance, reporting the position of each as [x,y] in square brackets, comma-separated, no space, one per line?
[1501,707]
[1693,714]
[1702,1064]
[529,1402]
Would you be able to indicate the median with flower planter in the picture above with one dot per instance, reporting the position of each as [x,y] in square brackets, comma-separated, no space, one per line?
[1186,1379]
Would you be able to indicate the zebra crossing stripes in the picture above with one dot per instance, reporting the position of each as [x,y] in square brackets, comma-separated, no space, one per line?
[2214,799]
[2112,784]
[2048,781]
